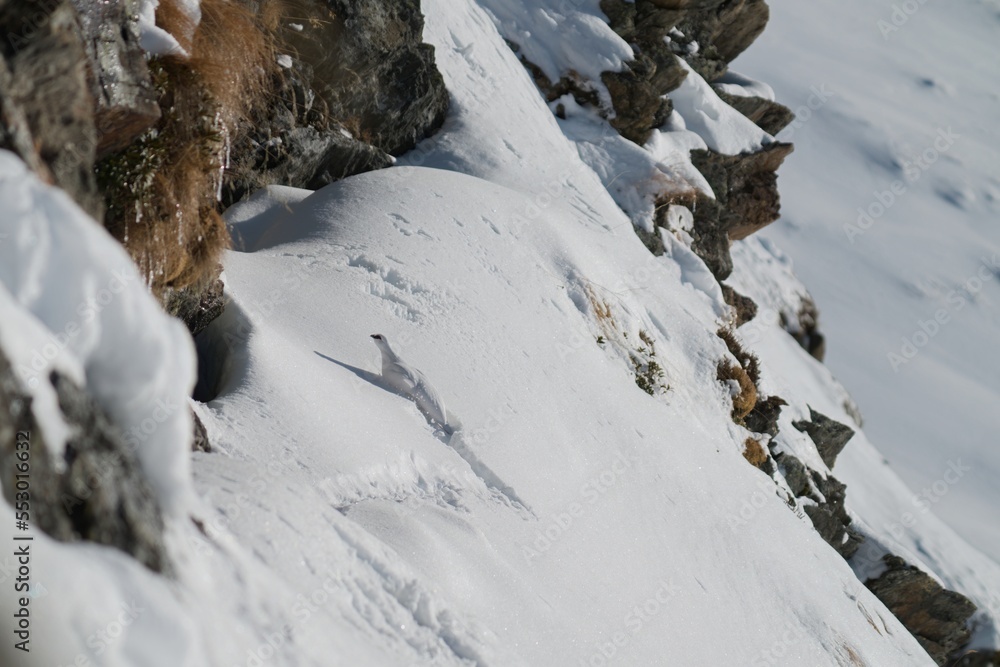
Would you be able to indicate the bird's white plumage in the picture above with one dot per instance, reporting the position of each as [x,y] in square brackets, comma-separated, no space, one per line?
[409,381]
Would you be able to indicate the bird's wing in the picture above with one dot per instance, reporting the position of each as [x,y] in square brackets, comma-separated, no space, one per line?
[402,377]
[414,384]
[430,401]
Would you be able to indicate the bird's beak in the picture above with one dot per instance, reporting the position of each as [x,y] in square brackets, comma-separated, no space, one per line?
[374,336]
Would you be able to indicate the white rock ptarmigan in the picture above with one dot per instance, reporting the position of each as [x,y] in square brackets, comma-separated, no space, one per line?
[410,382]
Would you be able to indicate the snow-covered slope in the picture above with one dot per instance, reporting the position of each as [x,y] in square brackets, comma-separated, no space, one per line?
[572,518]
[889,205]
[573,515]
[571,506]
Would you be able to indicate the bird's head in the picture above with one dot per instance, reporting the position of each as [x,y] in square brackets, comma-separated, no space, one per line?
[383,345]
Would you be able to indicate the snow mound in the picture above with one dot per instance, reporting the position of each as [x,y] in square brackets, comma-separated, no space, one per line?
[81,307]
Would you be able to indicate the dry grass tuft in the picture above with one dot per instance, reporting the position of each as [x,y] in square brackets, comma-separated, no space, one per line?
[649,374]
[748,360]
[162,191]
[746,399]
[754,452]
[602,311]
[746,374]
[687,196]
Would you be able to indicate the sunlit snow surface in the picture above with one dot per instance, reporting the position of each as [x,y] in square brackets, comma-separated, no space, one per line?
[573,518]
[909,103]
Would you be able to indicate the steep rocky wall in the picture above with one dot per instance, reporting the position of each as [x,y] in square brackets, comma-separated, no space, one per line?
[356,86]
[707,35]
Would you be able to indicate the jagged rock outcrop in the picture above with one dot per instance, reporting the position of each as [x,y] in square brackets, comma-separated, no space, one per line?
[637,94]
[804,328]
[356,86]
[722,30]
[770,116]
[822,498]
[830,436]
[707,35]
[46,105]
[743,306]
[97,492]
[296,142]
[764,416]
[373,70]
[746,201]
[124,99]
[935,616]
[197,307]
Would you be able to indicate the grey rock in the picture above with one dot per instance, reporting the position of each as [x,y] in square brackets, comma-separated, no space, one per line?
[295,142]
[197,306]
[829,436]
[45,94]
[795,474]
[934,615]
[119,78]
[723,29]
[826,511]
[830,517]
[745,307]
[372,69]
[772,117]
[638,94]
[746,200]
[200,443]
[639,107]
[100,493]
[362,87]
[764,416]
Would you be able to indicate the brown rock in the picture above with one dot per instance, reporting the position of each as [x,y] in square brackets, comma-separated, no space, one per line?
[744,306]
[934,615]
[746,200]
[769,116]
